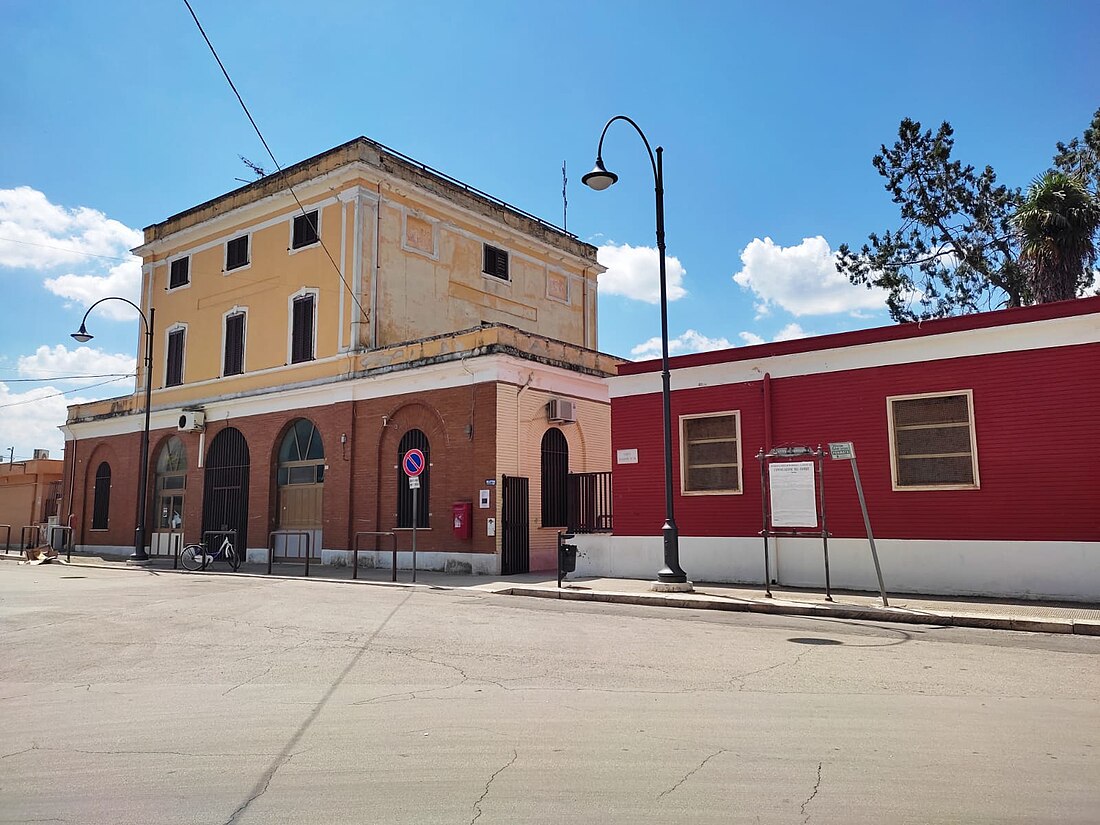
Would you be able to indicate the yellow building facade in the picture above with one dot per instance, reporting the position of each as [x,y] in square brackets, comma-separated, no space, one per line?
[374,300]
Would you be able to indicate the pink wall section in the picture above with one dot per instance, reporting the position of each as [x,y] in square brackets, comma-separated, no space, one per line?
[1035,414]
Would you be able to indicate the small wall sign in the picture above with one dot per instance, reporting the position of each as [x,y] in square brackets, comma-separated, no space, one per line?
[626,456]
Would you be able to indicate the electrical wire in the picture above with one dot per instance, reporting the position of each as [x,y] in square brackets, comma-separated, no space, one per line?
[67,377]
[71,251]
[56,394]
[363,313]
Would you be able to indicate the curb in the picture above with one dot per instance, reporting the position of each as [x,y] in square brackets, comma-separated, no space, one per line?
[1083,627]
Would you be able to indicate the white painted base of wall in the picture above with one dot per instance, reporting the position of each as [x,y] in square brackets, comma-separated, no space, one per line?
[478,564]
[104,550]
[1067,570]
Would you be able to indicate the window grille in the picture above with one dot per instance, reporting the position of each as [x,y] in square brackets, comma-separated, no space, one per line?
[933,441]
[709,454]
[555,475]
[101,500]
[410,440]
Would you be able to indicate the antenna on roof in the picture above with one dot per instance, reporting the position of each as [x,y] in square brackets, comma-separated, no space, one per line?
[564,200]
[256,168]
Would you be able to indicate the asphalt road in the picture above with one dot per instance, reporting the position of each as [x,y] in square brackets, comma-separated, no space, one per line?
[134,697]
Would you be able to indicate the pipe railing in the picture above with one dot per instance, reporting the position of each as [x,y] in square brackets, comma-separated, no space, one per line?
[7,538]
[287,534]
[357,549]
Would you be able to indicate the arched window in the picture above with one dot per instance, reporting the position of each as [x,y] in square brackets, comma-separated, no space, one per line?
[555,478]
[171,480]
[101,502]
[413,439]
[302,455]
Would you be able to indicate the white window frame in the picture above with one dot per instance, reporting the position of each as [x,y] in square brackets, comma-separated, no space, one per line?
[301,293]
[236,310]
[290,229]
[740,455]
[225,253]
[969,393]
[179,327]
[168,279]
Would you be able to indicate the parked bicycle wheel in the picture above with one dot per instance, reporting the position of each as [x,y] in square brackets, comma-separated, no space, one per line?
[230,554]
[191,557]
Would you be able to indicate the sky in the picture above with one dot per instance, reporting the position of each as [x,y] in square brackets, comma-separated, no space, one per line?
[115,115]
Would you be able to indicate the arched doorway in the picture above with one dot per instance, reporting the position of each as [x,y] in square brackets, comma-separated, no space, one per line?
[301,477]
[555,479]
[406,516]
[225,491]
[171,481]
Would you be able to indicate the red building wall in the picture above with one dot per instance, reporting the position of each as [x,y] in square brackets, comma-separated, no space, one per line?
[1035,414]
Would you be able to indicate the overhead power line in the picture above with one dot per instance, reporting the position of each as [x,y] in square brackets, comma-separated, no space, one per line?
[67,377]
[70,251]
[56,394]
[270,154]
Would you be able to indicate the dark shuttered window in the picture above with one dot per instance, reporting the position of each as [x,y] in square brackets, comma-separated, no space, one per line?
[101,501]
[933,441]
[234,344]
[305,230]
[236,253]
[496,262]
[180,274]
[173,376]
[301,339]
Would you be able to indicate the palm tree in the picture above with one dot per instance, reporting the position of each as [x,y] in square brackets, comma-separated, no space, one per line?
[1057,223]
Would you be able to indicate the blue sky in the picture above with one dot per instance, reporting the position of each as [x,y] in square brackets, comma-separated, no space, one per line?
[116,116]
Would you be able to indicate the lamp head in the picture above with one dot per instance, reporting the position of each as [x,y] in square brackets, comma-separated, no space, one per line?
[599,178]
[82,335]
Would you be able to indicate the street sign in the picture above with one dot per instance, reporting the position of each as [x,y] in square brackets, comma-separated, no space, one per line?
[842,449]
[413,463]
[414,482]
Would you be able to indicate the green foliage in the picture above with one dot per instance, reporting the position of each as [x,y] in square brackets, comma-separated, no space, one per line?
[956,251]
[1081,156]
[1057,222]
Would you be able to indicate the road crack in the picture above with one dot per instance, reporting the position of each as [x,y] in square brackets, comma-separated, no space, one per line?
[809,799]
[261,791]
[691,773]
[485,793]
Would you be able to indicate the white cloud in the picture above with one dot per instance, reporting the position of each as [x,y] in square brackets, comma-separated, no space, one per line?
[38,235]
[690,341]
[29,419]
[802,279]
[788,333]
[52,362]
[122,280]
[634,272]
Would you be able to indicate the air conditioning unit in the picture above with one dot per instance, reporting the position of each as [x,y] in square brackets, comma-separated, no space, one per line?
[191,421]
[560,409]
[41,455]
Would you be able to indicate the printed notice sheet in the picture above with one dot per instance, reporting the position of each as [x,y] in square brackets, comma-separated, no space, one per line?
[793,494]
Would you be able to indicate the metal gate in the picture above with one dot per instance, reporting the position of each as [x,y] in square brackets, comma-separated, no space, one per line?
[515,544]
[225,490]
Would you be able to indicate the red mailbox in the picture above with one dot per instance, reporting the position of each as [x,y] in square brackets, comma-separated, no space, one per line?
[462,517]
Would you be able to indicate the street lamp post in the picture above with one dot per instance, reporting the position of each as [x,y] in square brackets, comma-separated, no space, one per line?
[671,576]
[83,336]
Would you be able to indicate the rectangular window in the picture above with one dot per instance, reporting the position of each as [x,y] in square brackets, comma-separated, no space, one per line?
[173,376]
[710,453]
[234,344]
[180,274]
[496,262]
[301,340]
[236,253]
[932,441]
[305,230]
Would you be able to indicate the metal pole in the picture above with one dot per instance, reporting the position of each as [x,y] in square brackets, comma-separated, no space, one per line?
[821,507]
[870,537]
[140,556]
[559,560]
[671,572]
[415,490]
[764,531]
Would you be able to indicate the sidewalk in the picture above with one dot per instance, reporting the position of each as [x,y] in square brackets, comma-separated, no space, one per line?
[1033,616]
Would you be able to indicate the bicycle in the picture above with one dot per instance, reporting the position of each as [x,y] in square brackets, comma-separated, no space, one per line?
[196,557]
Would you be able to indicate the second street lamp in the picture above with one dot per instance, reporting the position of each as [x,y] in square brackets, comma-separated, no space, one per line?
[83,336]
[671,576]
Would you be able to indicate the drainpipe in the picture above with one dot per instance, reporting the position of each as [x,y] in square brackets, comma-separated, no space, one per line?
[767,412]
[377,271]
